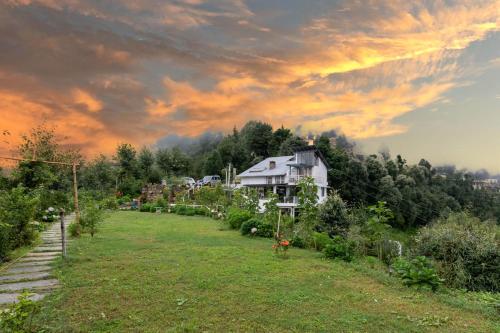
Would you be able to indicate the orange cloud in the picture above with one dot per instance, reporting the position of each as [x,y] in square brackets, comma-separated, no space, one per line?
[82,97]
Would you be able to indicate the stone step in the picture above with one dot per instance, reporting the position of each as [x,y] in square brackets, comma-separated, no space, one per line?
[36,259]
[32,263]
[8,298]
[25,276]
[42,254]
[27,269]
[39,284]
[46,249]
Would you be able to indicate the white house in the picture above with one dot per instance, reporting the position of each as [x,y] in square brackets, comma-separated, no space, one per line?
[281,175]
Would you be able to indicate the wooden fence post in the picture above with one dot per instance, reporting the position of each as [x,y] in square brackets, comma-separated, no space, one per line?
[63,232]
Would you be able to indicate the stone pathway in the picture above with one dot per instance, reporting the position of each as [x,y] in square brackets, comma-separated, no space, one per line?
[33,271]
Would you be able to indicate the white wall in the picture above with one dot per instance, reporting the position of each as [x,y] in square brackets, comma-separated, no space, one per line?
[253,180]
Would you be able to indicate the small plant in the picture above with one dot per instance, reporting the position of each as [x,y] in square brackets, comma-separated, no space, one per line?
[146,208]
[256,227]
[50,215]
[74,230]
[340,248]
[297,242]
[321,240]
[91,217]
[417,272]
[18,317]
[281,247]
[236,217]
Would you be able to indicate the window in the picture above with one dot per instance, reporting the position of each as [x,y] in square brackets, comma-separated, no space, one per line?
[272,165]
[279,179]
[269,180]
[322,192]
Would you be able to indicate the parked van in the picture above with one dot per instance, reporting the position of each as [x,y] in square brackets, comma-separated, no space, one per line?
[211,180]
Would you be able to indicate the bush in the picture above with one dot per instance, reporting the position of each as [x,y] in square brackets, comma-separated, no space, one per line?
[109,203]
[124,200]
[91,217]
[236,217]
[185,210]
[334,215]
[74,230]
[161,203]
[418,272]
[466,251]
[340,248]
[263,229]
[18,317]
[203,211]
[146,207]
[17,210]
[321,240]
[297,242]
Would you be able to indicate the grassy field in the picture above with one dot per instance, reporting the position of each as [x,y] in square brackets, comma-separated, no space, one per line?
[166,273]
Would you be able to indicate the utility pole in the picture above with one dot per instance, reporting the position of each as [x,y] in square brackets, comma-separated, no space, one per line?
[75,194]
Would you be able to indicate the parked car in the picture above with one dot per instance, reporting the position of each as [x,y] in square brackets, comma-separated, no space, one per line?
[189,181]
[211,180]
[199,183]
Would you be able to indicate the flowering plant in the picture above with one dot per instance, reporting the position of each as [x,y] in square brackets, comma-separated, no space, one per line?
[281,246]
[50,215]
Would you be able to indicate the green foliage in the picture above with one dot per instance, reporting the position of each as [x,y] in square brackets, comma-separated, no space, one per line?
[213,197]
[17,318]
[308,215]
[146,208]
[375,228]
[467,251]
[272,211]
[298,242]
[185,210]
[109,203]
[17,209]
[247,199]
[91,216]
[417,272]
[74,230]
[334,215]
[236,217]
[320,241]
[262,229]
[340,248]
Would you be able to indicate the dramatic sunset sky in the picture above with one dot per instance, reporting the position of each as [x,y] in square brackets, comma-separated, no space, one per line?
[419,77]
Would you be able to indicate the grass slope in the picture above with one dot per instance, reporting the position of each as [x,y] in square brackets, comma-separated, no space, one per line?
[166,273]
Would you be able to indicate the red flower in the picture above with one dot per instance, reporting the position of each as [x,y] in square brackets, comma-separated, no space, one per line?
[285,243]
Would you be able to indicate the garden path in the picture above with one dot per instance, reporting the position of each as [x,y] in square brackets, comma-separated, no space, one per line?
[32,272]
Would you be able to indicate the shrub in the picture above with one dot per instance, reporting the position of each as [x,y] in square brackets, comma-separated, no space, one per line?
[124,200]
[466,251]
[160,203]
[74,230]
[321,240]
[17,318]
[334,216]
[185,210]
[418,272]
[203,211]
[236,217]
[263,229]
[146,207]
[340,248]
[91,217]
[297,242]
[109,203]
[16,212]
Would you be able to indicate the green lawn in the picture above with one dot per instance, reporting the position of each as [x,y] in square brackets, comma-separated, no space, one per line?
[166,273]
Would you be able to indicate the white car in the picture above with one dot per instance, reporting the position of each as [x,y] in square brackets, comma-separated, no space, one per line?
[189,181]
